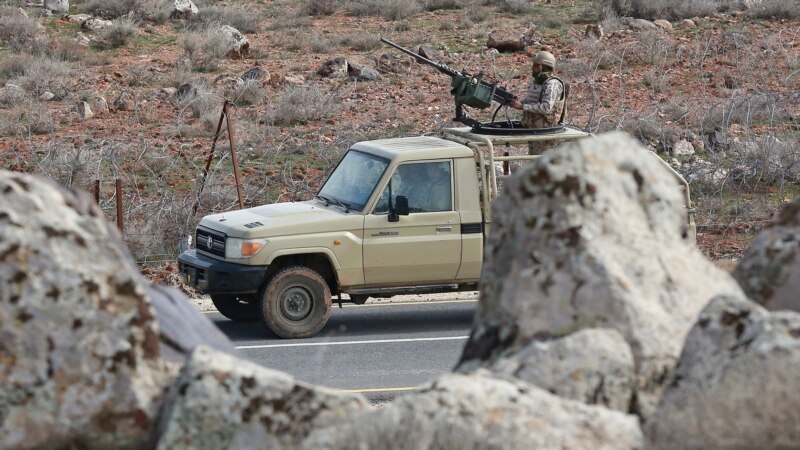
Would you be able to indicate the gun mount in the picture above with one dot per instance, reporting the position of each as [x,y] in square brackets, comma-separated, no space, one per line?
[475,91]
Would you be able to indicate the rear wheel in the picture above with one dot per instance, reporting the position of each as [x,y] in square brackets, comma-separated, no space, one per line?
[237,308]
[296,303]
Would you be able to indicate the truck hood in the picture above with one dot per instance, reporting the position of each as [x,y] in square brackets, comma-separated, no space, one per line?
[281,219]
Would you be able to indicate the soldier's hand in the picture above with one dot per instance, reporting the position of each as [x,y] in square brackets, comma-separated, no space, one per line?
[516,104]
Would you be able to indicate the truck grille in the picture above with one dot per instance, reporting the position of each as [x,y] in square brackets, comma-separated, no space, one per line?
[210,241]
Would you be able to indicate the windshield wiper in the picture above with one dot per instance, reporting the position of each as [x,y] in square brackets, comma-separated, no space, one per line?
[335,201]
[342,204]
[324,199]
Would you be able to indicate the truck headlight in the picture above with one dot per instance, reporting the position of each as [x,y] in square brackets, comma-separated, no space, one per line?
[236,248]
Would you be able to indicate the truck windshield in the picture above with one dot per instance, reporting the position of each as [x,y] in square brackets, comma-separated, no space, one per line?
[353,180]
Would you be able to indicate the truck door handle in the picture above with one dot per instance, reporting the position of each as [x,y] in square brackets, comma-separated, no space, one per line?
[444,229]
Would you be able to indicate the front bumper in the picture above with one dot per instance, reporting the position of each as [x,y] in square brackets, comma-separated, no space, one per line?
[212,276]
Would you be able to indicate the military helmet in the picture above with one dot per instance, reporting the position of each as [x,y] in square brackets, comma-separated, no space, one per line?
[545,58]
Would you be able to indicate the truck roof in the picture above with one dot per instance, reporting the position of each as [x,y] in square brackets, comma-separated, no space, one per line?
[415,148]
[566,133]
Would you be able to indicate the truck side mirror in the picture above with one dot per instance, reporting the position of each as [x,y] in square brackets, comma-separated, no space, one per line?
[399,208]
[401,205]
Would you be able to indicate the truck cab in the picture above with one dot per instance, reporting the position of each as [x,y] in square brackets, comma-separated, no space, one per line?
[396,216]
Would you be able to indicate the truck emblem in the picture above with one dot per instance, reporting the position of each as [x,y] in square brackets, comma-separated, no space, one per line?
[209,242]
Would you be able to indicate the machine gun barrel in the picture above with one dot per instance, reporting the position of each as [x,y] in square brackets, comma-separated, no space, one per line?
[439,66]
[498,94]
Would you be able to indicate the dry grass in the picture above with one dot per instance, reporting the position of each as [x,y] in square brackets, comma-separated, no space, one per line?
[111,9]
[34,73]
[249,92]
[119,33]
[388,9]
[777,9]
[243,18]
[204,49]
[302,104]
[16,30]
[662,9]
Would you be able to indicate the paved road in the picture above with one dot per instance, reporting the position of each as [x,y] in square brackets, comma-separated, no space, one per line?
[381,350]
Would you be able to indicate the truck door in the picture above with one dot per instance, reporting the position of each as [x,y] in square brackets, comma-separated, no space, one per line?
[424,246]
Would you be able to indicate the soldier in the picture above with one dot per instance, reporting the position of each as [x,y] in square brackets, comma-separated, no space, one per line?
[545,102]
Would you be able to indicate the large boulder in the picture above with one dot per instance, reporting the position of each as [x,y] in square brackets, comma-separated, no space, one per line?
[79,344]
[237,44]
[84,361]
[594,366]
[482,411]
[221,402]
[183,9]
[594,235]
[769,272]
[735,384]
[61,6]
[11,94]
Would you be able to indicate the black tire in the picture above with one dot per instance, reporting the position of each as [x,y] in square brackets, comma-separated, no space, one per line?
[296,303]
[241,309]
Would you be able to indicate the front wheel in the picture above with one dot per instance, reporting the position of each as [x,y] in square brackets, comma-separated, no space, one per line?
[296,303]
[237,308]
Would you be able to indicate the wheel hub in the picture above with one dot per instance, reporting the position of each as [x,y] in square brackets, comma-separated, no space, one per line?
[296,303]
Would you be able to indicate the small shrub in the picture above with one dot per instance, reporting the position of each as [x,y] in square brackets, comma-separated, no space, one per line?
[302,104]
[241,18]
[291,40]
[657,80]
[446,25]
[291,23]
[318,7]
[13,66]
[40,72]
[156,11]
[755,162]
[16,30]
[203,104]
[475,15]
[250,92]
[654,48]
[776,9]
[119,33]
[321,44]
[401,26]
[66,49]
[204,48]
[111,9]
[388,9]
[434,5]
[659,9]
[611,23]
[362,41]
[26,118]
[516,7]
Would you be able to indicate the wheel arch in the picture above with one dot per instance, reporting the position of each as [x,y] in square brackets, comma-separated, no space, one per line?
[320,260]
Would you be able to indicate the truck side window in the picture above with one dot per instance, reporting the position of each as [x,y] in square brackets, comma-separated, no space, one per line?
[428,187]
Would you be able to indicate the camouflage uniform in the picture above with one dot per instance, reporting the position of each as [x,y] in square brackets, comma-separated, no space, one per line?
[542,108]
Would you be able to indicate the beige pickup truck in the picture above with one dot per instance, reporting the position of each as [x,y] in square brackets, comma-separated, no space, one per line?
[396,216]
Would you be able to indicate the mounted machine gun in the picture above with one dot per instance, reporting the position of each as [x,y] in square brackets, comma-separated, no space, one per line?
[474,91]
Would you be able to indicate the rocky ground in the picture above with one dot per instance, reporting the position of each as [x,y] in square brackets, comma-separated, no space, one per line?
[713,90]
